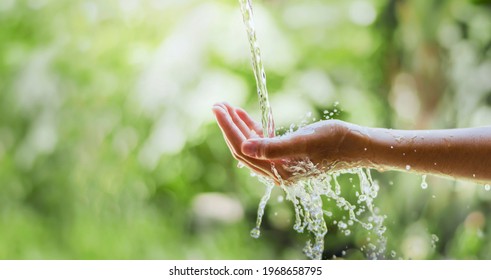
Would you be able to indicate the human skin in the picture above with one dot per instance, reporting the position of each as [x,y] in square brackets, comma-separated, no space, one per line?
[332,145]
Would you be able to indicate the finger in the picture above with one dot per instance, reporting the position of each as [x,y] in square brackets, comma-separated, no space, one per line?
[246,131]
[252,124]
[234,138]
[257,168]
[268,173]
[261,167]
[274,148]
[233,135]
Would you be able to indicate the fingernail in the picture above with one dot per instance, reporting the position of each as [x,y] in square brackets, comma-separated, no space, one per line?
[216,109]
[249,148]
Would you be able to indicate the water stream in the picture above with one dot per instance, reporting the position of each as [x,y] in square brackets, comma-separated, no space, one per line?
[257,65]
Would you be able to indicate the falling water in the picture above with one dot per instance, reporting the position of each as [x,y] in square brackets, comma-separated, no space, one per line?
[262,92]
[257,66]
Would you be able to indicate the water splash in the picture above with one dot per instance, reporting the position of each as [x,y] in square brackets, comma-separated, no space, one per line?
[306,195]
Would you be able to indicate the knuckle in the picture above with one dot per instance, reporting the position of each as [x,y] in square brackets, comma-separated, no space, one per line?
[264,151]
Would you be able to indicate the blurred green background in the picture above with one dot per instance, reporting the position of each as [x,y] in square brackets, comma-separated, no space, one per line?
[109,150]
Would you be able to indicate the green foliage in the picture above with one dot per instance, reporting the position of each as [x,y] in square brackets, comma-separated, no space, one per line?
[108,148]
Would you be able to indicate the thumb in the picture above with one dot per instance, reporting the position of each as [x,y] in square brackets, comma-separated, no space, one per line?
[272,148]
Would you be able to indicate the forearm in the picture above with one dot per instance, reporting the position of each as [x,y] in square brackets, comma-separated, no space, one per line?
[459,153]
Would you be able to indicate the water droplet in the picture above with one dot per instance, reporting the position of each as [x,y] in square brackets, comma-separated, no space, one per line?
[342,225]
[365,149]
[393,253]
[298,228]
[392,147]
[381,230]
[347,232]
[474,175]
[434,240]
[281,198]
[424,185]
[368,226]
[434,237]
[487,187]
[240,165]
[408,167]
[255,232]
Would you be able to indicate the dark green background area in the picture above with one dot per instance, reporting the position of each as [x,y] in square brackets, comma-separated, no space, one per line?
[109,149]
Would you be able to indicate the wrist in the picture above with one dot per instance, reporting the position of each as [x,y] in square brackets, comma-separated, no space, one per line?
[356,147]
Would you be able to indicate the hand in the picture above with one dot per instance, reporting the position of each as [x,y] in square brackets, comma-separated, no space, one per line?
[319,143]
